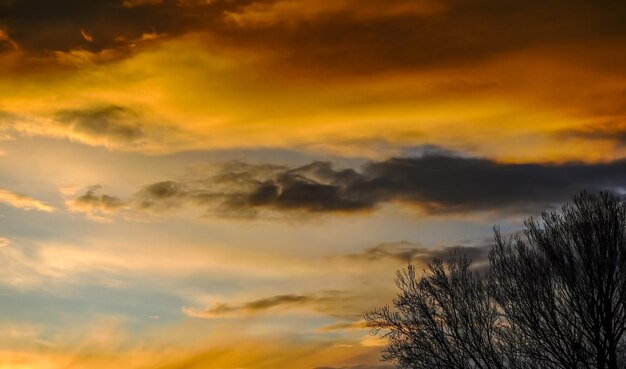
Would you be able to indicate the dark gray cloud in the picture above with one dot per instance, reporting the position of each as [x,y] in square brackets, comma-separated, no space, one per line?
[314,188]
[438,183]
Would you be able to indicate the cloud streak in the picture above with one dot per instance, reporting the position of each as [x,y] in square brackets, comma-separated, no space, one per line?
[407,252]
[320,302]
[612,130]
[344,326]
[24,202]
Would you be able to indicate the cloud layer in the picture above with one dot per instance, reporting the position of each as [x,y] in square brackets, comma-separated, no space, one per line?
[500,78]
[437,183]
[347,35]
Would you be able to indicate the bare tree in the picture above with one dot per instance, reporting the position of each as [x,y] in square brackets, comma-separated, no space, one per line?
[563,287]
[446,319]
[553,298]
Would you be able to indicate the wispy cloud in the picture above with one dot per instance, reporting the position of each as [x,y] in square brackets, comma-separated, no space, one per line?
[96,206]
[113,126]
[326,301]
[408,252]
[7,40]
[20,201]
[611,130]
[86,36]
[356,325]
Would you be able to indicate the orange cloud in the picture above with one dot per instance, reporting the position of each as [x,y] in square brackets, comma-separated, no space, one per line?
[86,36]
[7,40]
[346,77]
[176,111]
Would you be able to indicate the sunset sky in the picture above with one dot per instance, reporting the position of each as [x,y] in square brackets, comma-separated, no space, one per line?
[231,184]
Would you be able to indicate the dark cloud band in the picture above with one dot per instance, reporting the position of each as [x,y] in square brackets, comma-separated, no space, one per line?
[343,36]
[434,182]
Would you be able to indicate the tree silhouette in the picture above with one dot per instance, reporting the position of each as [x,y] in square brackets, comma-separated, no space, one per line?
[552,298]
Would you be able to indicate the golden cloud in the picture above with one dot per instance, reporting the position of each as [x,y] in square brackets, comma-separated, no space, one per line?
[348,77]
[186,95]
[24,202]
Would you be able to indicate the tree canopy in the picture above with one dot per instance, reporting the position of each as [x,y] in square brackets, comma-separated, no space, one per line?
[553,296]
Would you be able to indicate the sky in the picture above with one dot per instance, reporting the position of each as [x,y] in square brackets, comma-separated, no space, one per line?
[232,184]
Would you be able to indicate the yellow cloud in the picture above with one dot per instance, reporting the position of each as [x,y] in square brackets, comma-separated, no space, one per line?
[20,201]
